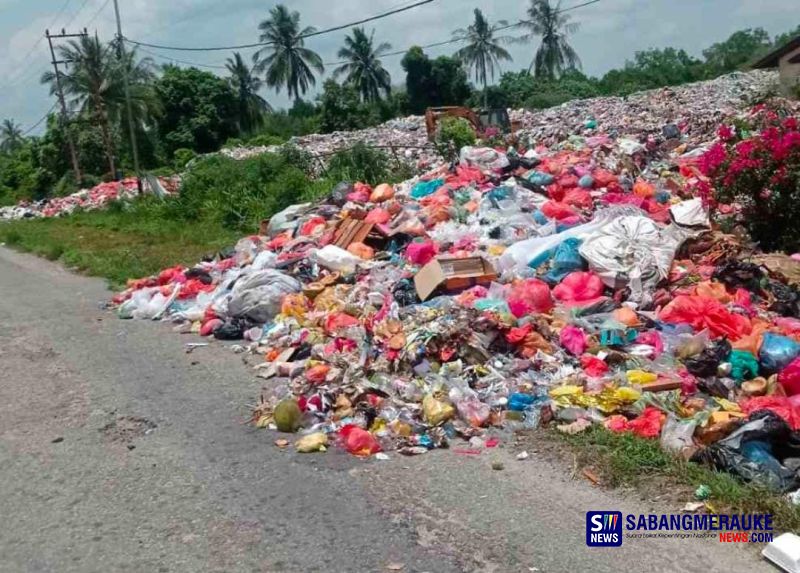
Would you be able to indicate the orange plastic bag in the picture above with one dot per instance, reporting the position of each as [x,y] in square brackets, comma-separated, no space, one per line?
[381,193]
[643,188]
[714,290]
[361,250]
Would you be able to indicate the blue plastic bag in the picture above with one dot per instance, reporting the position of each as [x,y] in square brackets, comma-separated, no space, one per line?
[521,402]
[566,259]
[540,178]
[777,351]
[425,188]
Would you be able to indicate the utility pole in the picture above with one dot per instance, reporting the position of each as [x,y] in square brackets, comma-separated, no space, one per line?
[131,130]
[64,116]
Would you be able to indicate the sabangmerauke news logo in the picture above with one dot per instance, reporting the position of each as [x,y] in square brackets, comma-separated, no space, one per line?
[604,528]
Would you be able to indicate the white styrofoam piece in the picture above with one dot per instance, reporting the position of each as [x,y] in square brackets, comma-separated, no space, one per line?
[784,552]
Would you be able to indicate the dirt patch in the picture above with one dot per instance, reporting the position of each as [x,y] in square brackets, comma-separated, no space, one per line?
[125,429]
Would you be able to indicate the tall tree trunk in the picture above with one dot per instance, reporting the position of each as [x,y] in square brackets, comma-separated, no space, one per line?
[485,95]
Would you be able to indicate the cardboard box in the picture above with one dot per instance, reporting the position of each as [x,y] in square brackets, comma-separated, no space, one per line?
[452,273]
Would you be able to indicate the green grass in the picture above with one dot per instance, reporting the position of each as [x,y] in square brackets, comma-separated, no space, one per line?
[628,460]
[117,244]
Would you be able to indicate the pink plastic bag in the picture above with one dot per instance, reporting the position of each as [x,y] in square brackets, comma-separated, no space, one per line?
[593,366]
[579,288]
[648,423]
[421,252]
[529,296]
[574,340]
[378,216]
[783,407]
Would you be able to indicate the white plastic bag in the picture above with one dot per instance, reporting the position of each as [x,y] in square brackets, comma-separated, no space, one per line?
[258,295]
[336,259]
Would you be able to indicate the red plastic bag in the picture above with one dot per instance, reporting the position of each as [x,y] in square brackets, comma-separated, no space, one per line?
[790,378]
[421,252]
[529,296]
[703,312]
[312,225]
[617,423]
[593,366]
[574,340]
[648,423]
[338,321]
[782,406]
[558,211]
[579,198]
[579,288]
[358,441]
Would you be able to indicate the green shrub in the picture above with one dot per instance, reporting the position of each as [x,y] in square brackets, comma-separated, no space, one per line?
[266,140]
[360,163]
[182,157]
[453,134]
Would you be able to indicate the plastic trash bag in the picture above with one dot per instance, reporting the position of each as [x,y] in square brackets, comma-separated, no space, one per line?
[358,441]
[470,407]
[677,434]
[485,158]
[421,252]
[632,249]
[777,351]
[706,313]
[566,259]
[436,411]
[257,296]
[706,363]
[754,463]
[789,378]
[148,303]
[425,188]
[744,365]
[579,288]
[574,340]
[529,296]
[647,424]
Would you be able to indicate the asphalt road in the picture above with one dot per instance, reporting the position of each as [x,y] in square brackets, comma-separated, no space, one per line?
[121,452]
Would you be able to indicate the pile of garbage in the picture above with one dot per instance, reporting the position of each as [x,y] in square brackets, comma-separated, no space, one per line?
[579,282]
[404,139]
[97,197]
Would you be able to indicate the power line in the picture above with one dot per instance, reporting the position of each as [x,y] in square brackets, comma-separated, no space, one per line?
[187,62]
[71,20]
[38,123]
[13,80]
[461,39]
[303,36]
[96,14]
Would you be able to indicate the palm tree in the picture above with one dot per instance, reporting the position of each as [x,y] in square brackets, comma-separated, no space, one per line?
[363,65]
[483,51]
[286,61]
[89,84]
[11,137]
[554,54]
[251,105]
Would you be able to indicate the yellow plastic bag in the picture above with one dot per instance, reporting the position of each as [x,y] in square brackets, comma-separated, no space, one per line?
[436,411]
[640,377]
[315,442]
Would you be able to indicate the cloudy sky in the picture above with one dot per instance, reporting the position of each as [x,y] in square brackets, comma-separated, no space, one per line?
[611,30]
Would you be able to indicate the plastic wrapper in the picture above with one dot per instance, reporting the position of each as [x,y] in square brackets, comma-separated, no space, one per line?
[257,296]
[566,259]
[744,366]
[676,435]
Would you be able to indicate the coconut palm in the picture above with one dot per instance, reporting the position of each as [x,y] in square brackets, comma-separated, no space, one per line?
[483,51]
[89,84]
[251,105]
[363,67]
[11,137]
[554,55]
[286,61]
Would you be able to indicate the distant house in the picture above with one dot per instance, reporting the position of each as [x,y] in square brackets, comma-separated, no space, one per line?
[787,59]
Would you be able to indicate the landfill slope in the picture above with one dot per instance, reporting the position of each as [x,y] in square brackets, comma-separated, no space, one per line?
[201,492]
